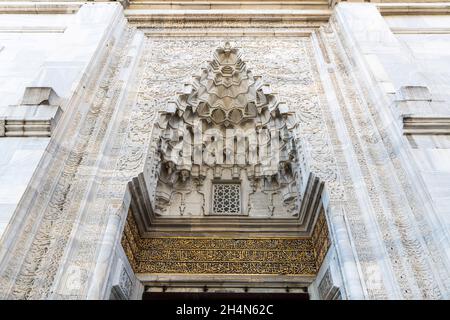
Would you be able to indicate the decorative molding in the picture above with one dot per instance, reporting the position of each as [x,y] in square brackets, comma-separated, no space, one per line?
[327,289]
[215,255]
[410,30]
[409,8]
[122,284]
[227,4]
[26,128]
[414,104]
[229,282]
[398,209]
[204,19]
[30,7]
[33,29]
[149,199]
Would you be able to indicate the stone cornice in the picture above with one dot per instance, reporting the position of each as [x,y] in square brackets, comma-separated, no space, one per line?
[26,127]
[33,29]
[409,30]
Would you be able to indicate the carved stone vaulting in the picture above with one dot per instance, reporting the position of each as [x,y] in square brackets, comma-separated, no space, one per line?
[228,195]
